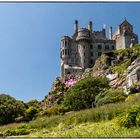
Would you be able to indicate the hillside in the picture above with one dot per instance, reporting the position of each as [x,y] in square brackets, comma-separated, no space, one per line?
[100,122]
[103,101]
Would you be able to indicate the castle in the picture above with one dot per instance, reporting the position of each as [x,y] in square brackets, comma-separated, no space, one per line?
[80,51]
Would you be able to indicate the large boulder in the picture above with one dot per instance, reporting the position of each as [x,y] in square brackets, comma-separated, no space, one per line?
[133,77]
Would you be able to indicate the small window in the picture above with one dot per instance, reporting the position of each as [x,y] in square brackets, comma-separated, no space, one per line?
[84,47]
[113,48]
[91,53]
[99,47]
[62,52]
[91,61]
[91,46]
[68,72]
[84,53]
[65,52]
[65,43]
[106,47]
[99,53]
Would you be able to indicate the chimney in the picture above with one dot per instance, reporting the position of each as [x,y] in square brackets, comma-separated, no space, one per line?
[90,26]
[110,33]
[76,26]
[104,32]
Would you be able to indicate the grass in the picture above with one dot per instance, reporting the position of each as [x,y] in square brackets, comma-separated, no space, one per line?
[122,67]
[103,129]
[96,122]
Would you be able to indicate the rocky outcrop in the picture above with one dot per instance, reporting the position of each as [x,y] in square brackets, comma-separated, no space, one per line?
[133,74]
[128,59]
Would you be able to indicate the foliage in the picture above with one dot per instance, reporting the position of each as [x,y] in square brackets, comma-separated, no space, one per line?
[129,119]
[30,113]
[53,110]
[10,109]
[135,88]
[133,98]
[63,109]
[32,102]
[122,67]
[110,96]
[75,119]
[15,132]
[82,94]
[138,119]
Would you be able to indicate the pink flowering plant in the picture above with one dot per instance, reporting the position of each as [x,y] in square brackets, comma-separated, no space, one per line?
[70,80]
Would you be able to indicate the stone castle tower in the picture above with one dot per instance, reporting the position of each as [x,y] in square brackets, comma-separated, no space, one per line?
[80,51]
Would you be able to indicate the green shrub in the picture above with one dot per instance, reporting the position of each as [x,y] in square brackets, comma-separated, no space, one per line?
[110,96]
[53,110]
[62,109]
[10,108]
[138,119]
[30,113]
[129,120]
[133,98]
[33,102]
[134,89]
[82,95]
[16,132]
[122,67]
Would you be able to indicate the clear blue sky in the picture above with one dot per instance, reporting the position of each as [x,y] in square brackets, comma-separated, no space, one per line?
[30,40]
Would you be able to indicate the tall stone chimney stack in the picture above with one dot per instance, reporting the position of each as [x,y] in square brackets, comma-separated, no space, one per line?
[110,33]
[90,26]
[76,26]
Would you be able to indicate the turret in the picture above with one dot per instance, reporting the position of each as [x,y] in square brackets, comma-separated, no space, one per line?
[83,39]
[65,47]
[76,26]
[110,33]
[90,26]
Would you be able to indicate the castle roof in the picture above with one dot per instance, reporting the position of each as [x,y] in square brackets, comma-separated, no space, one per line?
[124,23]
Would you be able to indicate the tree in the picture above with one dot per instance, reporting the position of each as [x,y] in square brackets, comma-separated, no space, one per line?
[82,95]
[10,108]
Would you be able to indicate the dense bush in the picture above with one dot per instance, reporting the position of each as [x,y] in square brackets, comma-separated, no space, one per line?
[33,102]
[53,110]
[82,95]
[131,118]
[10,109]
[110,96]
[135,88]
[30,113]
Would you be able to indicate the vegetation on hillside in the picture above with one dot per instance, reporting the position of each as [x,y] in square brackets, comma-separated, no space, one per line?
[78,104]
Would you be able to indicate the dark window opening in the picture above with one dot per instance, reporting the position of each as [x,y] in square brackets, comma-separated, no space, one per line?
[113,48]
[99,47]
[91,46]
[68,72]
[91,61]
[62,52]
[99,53]
[65,43]
[91,53]
[106,47]
[65,52]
